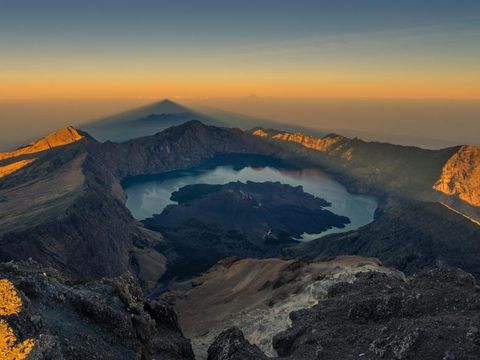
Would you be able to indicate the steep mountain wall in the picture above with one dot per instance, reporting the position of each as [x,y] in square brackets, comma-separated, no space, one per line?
[460,175]
[392,169]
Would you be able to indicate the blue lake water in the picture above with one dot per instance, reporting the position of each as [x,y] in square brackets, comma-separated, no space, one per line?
[150,196]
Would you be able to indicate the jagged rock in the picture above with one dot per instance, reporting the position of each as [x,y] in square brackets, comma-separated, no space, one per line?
[104,319]
[231,345]
[432,315]
[257,296]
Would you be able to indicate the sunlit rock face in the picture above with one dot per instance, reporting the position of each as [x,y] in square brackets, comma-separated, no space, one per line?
[61,137]
[450,175]
[257,296]
[322,144]
[260,132]
[13,161]
[460,176]
[11,304]
[10,168]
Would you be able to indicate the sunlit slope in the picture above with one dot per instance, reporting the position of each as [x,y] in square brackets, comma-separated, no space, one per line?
[14,160]
[58,138]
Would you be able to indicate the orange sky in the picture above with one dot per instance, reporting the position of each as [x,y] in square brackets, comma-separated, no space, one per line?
[310,48]
[299,85]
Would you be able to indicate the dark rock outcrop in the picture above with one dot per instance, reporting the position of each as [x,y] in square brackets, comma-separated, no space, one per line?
[105,319]
[432,315]
[257,296]
[261,211]
[232,345]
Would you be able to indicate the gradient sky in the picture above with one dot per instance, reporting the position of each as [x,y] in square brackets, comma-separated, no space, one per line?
[178,49]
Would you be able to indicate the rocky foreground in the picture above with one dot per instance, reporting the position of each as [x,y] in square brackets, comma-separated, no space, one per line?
[104,319]
[258,295]
[343,308]
[83,295]
[432,315]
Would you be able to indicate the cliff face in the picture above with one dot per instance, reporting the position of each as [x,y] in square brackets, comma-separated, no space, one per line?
[368,166]
[392,169]
[460,175]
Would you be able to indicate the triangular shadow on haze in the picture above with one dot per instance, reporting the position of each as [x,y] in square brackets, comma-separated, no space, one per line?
[153,118]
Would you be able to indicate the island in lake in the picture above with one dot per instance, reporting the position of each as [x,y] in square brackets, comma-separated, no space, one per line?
[248,219]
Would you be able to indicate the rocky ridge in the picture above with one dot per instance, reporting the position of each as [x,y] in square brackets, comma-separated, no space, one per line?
[421,174]
[58,138]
